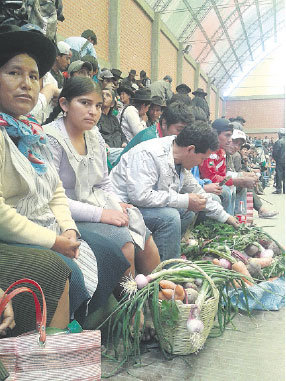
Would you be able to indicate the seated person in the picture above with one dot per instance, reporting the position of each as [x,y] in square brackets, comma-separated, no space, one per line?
[173,119]
[109,127]
[83,44]
[155,176]
[214,168]
[237,149]
[133,117]
[155,110]
[33,207]
[79,154]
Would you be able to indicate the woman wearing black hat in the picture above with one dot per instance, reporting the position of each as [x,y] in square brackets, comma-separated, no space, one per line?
[133,117]
[33,205]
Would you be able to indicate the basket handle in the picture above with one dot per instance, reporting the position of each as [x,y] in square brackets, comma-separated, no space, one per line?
[41,316]
[191,264]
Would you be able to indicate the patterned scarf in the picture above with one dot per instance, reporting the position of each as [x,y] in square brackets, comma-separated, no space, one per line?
[30,135]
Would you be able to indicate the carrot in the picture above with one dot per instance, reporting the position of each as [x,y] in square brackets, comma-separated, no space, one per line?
[168,293]
[179,293]
[161,296]
[264,262]
[216,262]
[240,267]
[167,284]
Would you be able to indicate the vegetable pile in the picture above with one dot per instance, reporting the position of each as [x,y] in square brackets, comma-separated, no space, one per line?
[248,250]
[183,282]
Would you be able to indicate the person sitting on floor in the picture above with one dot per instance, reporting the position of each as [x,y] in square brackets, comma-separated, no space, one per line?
[214,168]
[133,117]
[79,154]
[155,176]
[155,111]
[109,127]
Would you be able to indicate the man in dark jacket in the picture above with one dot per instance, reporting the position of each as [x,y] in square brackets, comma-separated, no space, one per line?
[200,101]
[278,155]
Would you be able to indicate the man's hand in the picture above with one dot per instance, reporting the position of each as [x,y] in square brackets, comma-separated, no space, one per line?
[233,221]
[246,182]
[114,217]
[7,318]
[213,188]
[67,246]
[197,202]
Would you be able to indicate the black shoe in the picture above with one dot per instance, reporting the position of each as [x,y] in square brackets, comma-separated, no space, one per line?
[277,192]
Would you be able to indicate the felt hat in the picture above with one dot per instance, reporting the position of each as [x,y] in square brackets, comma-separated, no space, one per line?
[78,65]
[132,71]
[183,89]
[158,101]
[126,90]
[222,124]
[240,119]
[143,95]
[116,73]
[37,45]
[199,91]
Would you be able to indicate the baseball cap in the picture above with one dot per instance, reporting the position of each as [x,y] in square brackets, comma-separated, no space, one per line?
[77,65]
[63,48]
[238,134]
[222,124]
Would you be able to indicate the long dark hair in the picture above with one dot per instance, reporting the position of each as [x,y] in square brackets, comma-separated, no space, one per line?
[74,87]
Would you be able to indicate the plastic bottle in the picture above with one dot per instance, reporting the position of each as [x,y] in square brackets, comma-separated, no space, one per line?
[242,213]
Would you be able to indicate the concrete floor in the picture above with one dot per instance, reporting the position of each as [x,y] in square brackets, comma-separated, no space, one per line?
[255,351]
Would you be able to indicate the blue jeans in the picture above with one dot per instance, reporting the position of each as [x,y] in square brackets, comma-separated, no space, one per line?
[228,199]
[167,226]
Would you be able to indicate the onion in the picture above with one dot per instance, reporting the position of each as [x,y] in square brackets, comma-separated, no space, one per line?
[268,253]
[195,326]
[225,263]
[183,257]
[141,281]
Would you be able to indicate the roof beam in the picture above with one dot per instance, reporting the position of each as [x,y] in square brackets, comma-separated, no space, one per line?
[194,16]
[260,24]
[243,27]
[226,32]
[275,20]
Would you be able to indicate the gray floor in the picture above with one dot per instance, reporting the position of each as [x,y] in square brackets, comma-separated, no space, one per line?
[253,352]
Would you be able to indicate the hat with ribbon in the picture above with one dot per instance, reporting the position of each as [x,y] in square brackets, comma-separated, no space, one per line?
[199,91]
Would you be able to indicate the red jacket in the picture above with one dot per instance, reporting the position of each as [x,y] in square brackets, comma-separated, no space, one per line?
[214,168]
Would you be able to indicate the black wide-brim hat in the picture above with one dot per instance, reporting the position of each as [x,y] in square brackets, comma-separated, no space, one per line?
[183,88]
[158,101]
[34,43]
[199,91]
[143,95]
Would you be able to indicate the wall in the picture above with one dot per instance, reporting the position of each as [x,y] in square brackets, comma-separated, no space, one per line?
[133,20]
[135,39]
[188,75]
[86,14]
[262,115]
[167,59]
[212,104]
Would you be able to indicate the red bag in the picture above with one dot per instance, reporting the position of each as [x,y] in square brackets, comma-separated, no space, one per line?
[41,357]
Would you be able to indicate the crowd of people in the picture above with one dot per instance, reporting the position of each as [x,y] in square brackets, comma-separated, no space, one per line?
[102,175]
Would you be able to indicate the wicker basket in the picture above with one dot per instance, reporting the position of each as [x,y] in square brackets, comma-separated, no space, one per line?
[177,340]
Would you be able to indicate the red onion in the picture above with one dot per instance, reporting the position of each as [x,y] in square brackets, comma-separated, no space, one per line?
[141,281]
[194,325]
[225,263]
[268,253]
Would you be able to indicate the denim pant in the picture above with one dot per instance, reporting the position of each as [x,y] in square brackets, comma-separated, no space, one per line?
[167,226]
[228,199]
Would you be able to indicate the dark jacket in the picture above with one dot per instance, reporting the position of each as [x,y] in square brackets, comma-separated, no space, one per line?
[278,152]
[110,130]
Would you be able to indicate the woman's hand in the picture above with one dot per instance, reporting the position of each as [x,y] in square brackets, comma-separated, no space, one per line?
[7,318]
[114,217]
[125,206]
[67,246]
